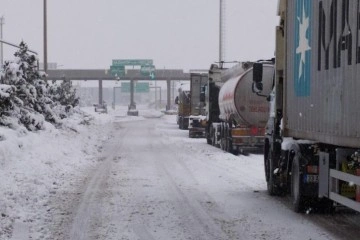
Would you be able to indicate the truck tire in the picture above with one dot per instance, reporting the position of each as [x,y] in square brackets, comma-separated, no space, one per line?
[236,150]
[226,138]
[213,137]
[297,199]
[186,124]
[269,170]
[222,138]
[325,206]
[222,144]
[180,123]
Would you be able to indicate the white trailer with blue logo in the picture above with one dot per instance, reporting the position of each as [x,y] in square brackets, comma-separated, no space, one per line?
[312,146]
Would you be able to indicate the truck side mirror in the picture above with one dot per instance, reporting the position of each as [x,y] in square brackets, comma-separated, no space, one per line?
[177,100]
[257,85]
[257,72]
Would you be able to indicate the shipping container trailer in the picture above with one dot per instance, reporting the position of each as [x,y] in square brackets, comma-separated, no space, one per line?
[312,146]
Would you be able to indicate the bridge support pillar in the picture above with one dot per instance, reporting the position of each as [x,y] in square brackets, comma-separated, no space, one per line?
[168,91]
[132,107]
[100,93]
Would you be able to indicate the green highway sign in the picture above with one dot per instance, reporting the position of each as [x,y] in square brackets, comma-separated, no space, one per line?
[125,87]
[117,70]
[147,67]
[152,75]
[132,62]
[146,70]
[139,87]
[142,87]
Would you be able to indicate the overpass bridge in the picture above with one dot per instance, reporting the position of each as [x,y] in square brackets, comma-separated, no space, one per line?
[131,75]
[104,74]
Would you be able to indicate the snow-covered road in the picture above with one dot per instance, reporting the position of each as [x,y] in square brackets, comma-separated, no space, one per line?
[141,178]
[155,183]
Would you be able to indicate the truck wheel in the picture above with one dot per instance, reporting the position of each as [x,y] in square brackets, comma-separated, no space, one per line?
[213,137]
[236,151]
[230,146]
[180,123]
[226,139]
[185,124]
[325,206]
[269,172]
[222,144]
[296,194]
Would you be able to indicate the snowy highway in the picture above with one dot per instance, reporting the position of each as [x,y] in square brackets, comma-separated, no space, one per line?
[152,182]
[142,178]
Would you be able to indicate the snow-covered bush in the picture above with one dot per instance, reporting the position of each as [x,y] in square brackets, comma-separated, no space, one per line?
[64,94]
[27,99]
[9,112]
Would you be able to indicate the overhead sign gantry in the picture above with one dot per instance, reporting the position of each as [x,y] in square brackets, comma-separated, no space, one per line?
[117,69]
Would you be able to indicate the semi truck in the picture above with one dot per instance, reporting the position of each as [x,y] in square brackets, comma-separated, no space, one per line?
[184,106]
[312,145]
[197,121]
[235,116]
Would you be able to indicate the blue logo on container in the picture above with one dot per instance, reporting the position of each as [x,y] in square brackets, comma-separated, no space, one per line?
[302,68]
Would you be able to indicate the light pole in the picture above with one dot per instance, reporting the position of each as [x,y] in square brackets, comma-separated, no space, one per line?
[2,21]
[45,37]
[221,32]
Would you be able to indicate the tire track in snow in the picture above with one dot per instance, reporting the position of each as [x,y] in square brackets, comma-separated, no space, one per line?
[89,207]
[213,220]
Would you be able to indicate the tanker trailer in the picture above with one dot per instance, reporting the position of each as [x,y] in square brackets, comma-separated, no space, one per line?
[242,114]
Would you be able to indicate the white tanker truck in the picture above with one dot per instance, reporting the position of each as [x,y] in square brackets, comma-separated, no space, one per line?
[236,117]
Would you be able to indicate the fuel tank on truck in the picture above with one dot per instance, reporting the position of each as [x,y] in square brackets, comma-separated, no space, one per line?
[238,103]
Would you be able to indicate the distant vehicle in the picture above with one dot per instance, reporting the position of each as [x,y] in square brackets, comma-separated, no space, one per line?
[183,102]
[197,122]
[102,108]
[312,146]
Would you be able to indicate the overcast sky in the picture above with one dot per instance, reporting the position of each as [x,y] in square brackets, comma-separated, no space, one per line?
[181,34]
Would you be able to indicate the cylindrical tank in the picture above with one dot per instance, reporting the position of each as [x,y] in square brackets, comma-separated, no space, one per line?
[238,102]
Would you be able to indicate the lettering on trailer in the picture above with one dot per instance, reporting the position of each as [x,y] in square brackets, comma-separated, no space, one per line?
[338,38]
[302,63]
[342,39]
[259,109]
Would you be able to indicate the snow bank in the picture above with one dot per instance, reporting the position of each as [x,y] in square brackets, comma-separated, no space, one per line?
[36,166]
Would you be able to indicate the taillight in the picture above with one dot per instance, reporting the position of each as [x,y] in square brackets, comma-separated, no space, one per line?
[254,130]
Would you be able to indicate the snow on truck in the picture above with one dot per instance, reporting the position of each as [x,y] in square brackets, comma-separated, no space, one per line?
[235,116]
[312,146]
